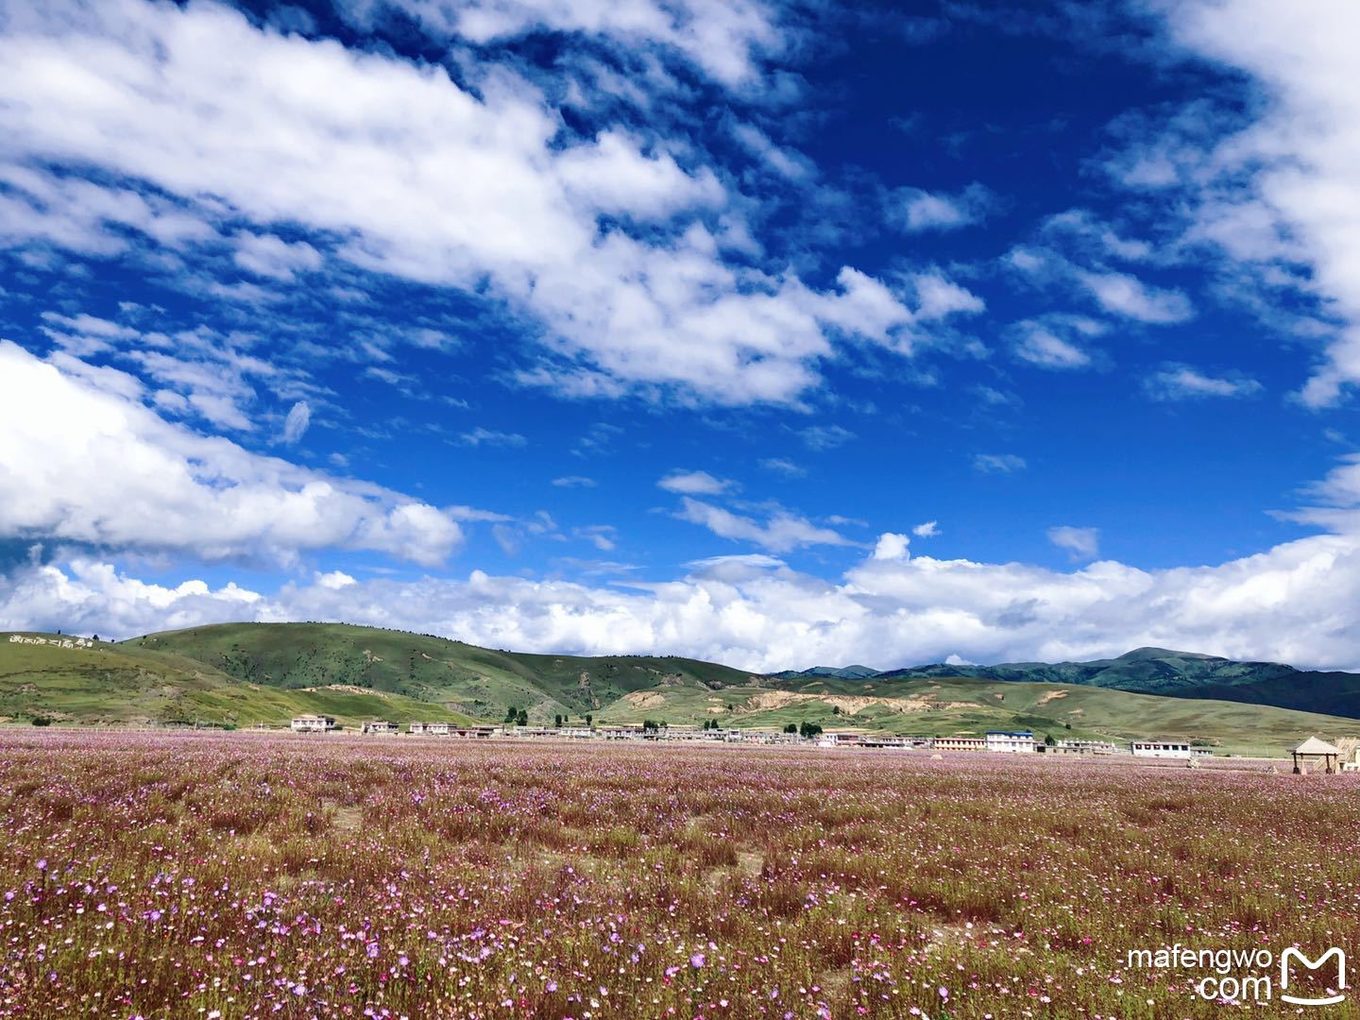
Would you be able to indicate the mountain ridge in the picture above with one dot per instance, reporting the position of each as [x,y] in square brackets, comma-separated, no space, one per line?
[238,674]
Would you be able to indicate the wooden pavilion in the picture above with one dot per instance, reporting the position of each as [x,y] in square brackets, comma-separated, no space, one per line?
[1313,748]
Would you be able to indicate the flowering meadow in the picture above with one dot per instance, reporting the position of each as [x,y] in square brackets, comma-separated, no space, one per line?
[239,875]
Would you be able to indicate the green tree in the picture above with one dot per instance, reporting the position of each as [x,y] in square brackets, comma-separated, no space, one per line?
[590,719]
[523,719]
[809,730]
[1049,741]
[511,714]
[791,728]
[557,720]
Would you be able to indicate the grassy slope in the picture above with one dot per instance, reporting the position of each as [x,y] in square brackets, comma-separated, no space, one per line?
[941,706]
[127,684]
[478,681]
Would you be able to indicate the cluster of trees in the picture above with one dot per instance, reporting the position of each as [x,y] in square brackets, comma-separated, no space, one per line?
[712,724]
[560,720]
[806,730]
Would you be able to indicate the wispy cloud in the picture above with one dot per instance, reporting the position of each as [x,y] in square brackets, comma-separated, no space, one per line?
[782,532]
[694,483]
[1183,382]
[481,436]
[998,463]
[1078,543]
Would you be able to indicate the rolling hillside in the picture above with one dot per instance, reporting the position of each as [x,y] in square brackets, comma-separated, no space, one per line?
[109,683]
[478,681]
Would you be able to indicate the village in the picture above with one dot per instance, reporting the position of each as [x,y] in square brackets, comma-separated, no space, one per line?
[1312,754]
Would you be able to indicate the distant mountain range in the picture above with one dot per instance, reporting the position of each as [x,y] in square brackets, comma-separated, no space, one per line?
[242,674]
[1156,671]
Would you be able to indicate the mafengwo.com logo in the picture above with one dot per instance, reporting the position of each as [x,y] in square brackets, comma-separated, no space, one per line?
[1237,976]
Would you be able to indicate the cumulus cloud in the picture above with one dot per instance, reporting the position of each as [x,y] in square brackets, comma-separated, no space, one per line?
[1298,602]
[84,464]
[1079,543]
[782,532]
[929,529]
[694,483]
[608,243]
[892,546]
[1182,382]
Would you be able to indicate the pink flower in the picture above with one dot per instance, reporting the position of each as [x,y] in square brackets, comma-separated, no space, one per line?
[697,960]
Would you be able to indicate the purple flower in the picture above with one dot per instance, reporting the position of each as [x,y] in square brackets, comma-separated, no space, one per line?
[697,960]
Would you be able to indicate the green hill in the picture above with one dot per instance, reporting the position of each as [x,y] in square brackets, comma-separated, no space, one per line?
[120,684]
[478,681]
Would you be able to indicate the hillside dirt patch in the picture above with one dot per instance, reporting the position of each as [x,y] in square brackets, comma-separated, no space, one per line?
[348,689]
[1050,696]
[645,699]
[849,704]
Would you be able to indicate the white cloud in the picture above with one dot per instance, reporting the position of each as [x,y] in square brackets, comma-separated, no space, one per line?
[927,530]
[334,580]
[1079,543]
[783,466]
[1283,190]
[83,464]
[915,211]
[481,436]
[998,463]
[1298,602]
[892,546]
[726,40]
[1182,382]
[694,483]
[574,482]
[1039,345]
[1122,294]
[782,532]
[268,255]
[298,421]
[825,437]
[355,149]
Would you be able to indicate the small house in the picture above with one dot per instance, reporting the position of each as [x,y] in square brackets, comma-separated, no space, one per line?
[379,726]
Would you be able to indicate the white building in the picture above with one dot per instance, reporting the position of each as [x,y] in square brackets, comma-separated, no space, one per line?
[429,729]
[1167,749]
[313,723]
[1010,741]
[381,726]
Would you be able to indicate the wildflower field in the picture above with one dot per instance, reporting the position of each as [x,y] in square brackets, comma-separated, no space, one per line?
[250,876]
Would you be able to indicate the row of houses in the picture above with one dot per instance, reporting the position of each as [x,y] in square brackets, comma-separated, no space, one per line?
[994,741]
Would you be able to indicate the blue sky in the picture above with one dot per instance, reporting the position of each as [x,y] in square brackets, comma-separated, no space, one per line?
[776,333]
